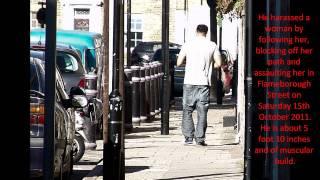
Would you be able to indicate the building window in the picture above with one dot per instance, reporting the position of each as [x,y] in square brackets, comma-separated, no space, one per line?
[81,19]
[34,21]
[136,35]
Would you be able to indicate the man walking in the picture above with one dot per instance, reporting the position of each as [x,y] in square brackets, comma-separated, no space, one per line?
[200,54]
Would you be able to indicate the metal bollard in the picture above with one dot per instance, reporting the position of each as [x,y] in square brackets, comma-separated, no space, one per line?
[152,92]
[160,72]
[143,115]
[128,97]
[91,85]
[147,89]
[156,88]
[135,95]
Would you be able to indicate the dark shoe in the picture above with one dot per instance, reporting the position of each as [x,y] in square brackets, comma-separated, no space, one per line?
[202,143]
[188,141]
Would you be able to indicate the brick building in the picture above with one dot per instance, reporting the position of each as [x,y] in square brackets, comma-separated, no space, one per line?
[146,17]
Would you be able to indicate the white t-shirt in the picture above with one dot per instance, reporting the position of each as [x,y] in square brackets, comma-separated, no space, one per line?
[200,54]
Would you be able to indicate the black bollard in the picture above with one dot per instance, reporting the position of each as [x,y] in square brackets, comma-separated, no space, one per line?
[135,95]
[147,90]
[156,88]
[143,115]
[152,92]
[128,97]
[160,74]
[115,135]
[219,87]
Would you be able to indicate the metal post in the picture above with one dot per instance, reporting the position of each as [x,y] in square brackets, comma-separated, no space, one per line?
[113,167]
[147,89]
[160,74]
[215,88]
[220,92]
[248,94]
[143,115]
[152,92]
[156,88]
[185,15]
[129,91]
[165,60]
[50,88]
[105,84]
[128,96]
[121,87]
[129,33]
[135,95]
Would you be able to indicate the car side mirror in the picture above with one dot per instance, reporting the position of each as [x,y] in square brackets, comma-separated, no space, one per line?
[79,101]
[78,97]
[93,70]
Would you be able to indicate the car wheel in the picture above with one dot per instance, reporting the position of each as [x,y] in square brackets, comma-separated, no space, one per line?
[78,148]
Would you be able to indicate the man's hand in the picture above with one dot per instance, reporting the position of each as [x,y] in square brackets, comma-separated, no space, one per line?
[181,57]
[180,60]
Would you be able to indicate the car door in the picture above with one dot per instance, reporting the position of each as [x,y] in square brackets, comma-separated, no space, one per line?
[69,121]
[61,119]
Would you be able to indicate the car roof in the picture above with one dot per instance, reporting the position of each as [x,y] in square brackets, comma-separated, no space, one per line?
[59,47]
[72,37]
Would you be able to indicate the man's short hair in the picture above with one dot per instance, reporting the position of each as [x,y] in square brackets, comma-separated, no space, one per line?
[202,28]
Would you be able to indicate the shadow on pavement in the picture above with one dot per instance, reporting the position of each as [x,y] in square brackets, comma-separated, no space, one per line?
[149,129]
[136,158]
[135,136]
[229,121]
[140,147]
[87,162]
[215,145]
[132,169]
[210,175]
[79,174]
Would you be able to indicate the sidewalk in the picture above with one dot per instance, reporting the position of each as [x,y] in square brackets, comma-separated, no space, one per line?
[152,156]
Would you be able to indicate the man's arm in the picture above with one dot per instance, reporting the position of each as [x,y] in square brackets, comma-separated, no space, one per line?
[217,58]
[181,57]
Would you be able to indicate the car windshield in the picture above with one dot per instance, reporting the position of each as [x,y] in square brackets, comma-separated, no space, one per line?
[66,62]
[173,55]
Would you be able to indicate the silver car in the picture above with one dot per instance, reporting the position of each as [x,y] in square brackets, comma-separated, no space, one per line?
[64,123]
[74,74]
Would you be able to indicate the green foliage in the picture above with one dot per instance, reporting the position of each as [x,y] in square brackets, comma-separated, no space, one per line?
[235,7]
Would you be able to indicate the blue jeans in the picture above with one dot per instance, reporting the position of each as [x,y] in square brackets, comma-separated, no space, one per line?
[195,97]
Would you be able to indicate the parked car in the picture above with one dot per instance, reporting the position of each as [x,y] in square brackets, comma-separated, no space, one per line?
[145,50]
[177,73]
[90,47]
[64,122]
[74,74]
